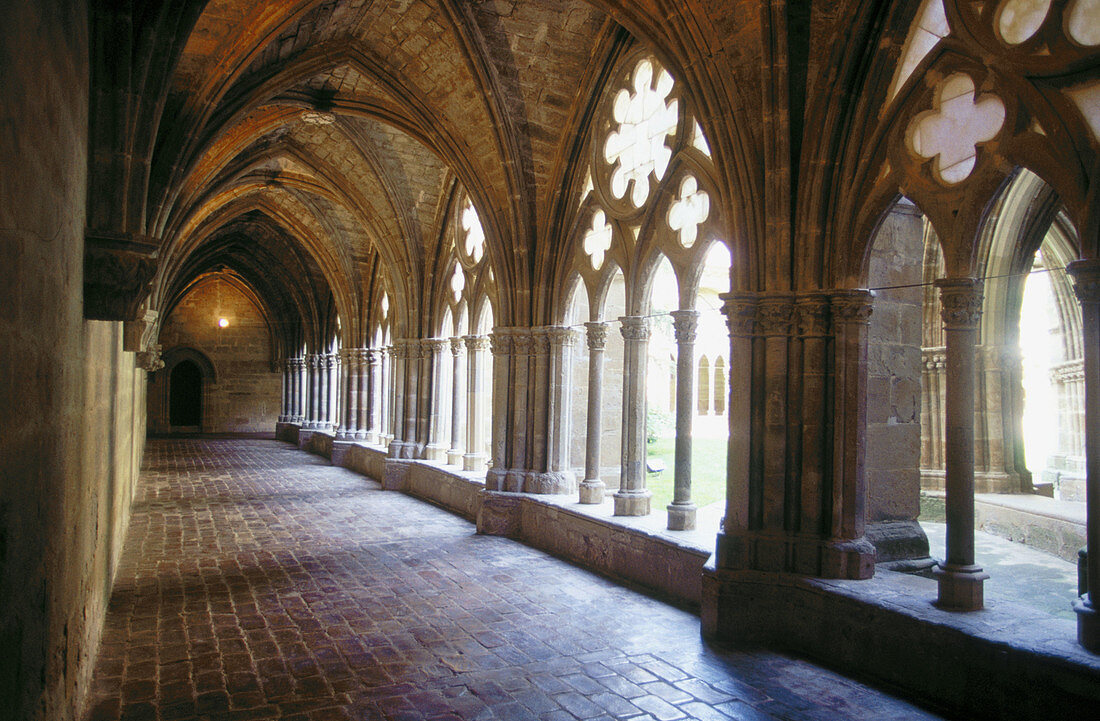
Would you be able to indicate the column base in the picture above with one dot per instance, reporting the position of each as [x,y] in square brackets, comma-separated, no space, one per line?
[1088,624]
[592,490]
[473,462]
[454,458]
[632,503]
[681,516]
[852,559]
[362,435]
[961,587]
[514,480]
[551,483]
[433,452]
[494,479]
[395,449]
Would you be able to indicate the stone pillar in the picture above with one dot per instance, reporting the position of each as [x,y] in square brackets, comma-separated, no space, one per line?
[288,378]
[314,416]
[932,398]
[960,579]
[344,421]
[362,392]
[633,498]
[1086,285]
[437,449]
[323,391]
[538,399]
[373,430]
[681,512]
[740,312]
[335,401]
[500,341]
[559,413]
[397,424]
[592,488]
[414,391]
[474,458]
[385,398]
[301,383]
[454,453]
[520,389]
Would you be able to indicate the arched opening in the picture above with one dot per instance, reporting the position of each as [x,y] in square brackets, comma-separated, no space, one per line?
[185,397]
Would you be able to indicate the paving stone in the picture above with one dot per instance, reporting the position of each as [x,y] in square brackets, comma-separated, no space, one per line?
[258,582]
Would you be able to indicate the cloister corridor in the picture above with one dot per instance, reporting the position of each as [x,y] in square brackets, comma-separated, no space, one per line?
[258,581]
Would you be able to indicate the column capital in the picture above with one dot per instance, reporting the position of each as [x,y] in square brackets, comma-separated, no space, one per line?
[852,306]
[540,339]
[634,327]
[500,341]
[596,335]
[313,361]
[740,312]
[458,346]
[560,335]
[523,341]
[961,302]
[149,360]
[1086,279]
[774,315]
[434,345]
[374,355]
[811,315]
[476,343]
[684,324]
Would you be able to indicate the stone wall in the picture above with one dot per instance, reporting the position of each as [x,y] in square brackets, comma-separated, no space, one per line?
[71,432]
[246,394]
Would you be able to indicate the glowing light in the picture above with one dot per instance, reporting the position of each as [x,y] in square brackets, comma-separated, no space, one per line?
[223,322]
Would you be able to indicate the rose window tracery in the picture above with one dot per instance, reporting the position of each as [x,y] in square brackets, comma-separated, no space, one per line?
[951,131]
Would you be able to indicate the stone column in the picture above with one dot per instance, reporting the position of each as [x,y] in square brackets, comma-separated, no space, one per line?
[633,498]
[373,429]
[740,312]
[1086,285]
[523,343]
[960,579]
[592,488]
[288,377]
[931,450]
[397,426]
[344,424]
[454,453]
[301,384]
[538,400]
[562,479]
[323,391]
[384,394]
[415,381]
[681,512]
[437,449]
[335,401]
[474,458]
[500,341]
[314,361]
[362,392]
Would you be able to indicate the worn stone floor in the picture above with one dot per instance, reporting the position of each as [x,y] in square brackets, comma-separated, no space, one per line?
[259,582]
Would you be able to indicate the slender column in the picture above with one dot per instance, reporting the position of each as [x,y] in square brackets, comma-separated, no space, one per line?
[592,488]
[361,362]
[454,453]
[436,450]
[374,399]
[334,399]
[633,498]
[474,458]
[740,312]
[538,481]
[301,389]
[323,391]
[284,417]
[343,422]
[558,411]
[522,351]
[500,340]
[314,361]
[1086,285]
[414,390]
[397,427]
[681,512]
[388,392]
[960,579]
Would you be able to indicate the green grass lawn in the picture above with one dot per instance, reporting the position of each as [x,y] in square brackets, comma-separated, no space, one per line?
[708,471]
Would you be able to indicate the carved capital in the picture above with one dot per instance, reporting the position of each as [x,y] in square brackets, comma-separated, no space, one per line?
[1086,279]
[774,316]
[476,343]
[852,306]
[523,342]
[313,361]
[560,335]
[961,302]
[596,335]
[118,274]
[434,346]
[634,327]
[540,340]
[684,324]
[812,315]
[138,334]
[150,360]
[458,346]
[740,312]
[500,341]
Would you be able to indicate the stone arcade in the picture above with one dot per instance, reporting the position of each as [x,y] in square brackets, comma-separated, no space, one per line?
[465,247]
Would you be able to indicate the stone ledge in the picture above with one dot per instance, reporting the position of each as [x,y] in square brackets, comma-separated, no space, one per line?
[1007,661]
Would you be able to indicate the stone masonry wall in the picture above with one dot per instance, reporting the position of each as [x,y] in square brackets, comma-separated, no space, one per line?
[247,394]
[71,428]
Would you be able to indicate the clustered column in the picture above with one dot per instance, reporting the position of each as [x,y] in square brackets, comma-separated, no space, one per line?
[501,343]
[960,579]
[313,419]
[474,458]
[558,434]
[633,498]
[1086,285]
[437,449]
[454,453]
[374,402]
[682,512]
[592,488]
[362,392]
[397,384]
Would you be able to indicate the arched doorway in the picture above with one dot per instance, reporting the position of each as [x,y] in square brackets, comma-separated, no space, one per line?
[185,397]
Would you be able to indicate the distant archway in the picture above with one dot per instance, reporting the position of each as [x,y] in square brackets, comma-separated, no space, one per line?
[185,396]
